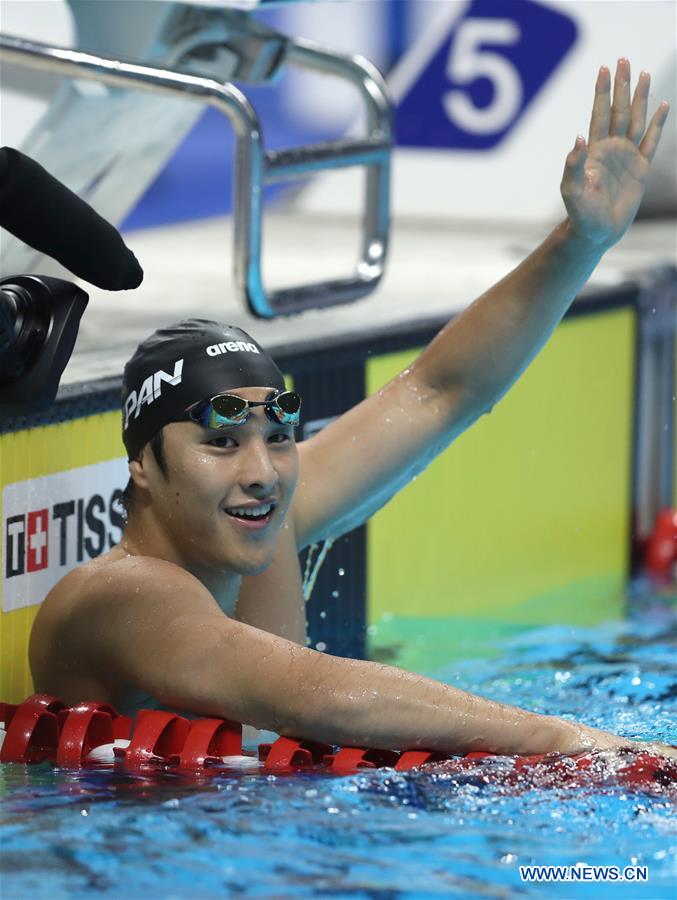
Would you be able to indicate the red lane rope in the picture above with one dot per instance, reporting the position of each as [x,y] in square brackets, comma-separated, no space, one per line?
[44,728]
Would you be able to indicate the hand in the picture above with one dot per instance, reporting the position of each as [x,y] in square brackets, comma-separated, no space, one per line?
[604,181]
[656,748]
[587,738]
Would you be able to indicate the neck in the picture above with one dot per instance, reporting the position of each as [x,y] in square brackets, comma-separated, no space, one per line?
[144,535]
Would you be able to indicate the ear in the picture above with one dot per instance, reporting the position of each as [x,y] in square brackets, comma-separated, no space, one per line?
[137,472]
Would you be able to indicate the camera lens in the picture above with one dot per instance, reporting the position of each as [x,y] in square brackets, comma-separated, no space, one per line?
[24,324]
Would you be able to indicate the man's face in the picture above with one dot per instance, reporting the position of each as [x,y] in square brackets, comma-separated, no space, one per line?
[218,479]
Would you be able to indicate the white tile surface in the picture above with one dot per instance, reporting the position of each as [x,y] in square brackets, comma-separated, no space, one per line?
[435,269]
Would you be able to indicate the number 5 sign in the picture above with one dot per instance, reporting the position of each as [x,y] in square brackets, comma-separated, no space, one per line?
[479,81]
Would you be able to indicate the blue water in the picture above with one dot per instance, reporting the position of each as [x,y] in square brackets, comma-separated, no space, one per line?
[379,834]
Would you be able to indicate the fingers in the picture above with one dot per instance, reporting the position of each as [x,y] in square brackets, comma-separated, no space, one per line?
[620,108]
[599,121]
[621,119]
[638,110]
[653,134]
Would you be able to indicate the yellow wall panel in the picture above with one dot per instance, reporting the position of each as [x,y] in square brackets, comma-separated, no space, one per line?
[525,517]
[32,454]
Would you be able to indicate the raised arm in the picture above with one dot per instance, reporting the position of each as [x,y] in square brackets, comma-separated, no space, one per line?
[153,626]
[355,464]
[489,346]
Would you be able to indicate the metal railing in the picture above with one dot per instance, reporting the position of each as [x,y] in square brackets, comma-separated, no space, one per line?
[255,166]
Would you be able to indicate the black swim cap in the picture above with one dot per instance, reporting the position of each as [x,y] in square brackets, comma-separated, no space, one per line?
[183,363]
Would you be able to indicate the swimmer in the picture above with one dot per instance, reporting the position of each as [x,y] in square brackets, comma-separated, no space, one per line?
[200,606]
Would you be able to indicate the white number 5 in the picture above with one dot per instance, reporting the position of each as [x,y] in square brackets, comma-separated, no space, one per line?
[467,61]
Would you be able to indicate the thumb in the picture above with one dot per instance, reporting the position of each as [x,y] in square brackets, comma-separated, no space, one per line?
[575,163]
[574,170]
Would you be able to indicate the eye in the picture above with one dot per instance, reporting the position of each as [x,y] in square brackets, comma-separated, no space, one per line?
[280,437]
[221,441]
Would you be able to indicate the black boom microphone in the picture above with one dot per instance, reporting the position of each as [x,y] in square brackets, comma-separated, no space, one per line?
[49,217]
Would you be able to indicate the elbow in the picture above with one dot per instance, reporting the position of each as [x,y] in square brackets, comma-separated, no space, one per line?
[280,711]
[299,719]
[477,406]
[313,706]
[297,703]
[482,404]
[469,404]
[339,709]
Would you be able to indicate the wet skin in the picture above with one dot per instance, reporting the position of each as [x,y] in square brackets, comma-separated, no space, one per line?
[181,517]
[345,473]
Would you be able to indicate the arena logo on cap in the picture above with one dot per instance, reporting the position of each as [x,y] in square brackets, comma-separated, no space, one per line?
[53,523]
[232,347]
[150,390]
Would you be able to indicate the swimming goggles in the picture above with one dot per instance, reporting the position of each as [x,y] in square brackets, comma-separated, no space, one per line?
[229,409]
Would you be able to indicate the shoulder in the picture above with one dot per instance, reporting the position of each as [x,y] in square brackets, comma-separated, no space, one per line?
[106,625]
[125,607]
[143,581]
[61,602]
[103,577]
[103,595]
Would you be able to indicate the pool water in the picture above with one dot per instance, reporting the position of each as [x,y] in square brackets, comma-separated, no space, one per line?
[379,834]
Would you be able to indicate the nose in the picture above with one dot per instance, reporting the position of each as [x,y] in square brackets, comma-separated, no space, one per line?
[258,473]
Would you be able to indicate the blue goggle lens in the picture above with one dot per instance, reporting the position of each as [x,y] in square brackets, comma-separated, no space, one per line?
[229,409]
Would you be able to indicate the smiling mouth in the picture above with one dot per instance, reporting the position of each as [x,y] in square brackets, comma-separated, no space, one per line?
[251,516]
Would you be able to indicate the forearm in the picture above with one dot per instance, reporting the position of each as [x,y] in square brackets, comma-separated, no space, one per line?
[283,615]
[273,600]
[486,348]
[366,704]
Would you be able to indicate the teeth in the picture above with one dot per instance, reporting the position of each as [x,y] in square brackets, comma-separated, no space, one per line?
[250,511]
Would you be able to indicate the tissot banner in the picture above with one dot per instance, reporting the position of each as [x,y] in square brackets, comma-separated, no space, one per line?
[53,523]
